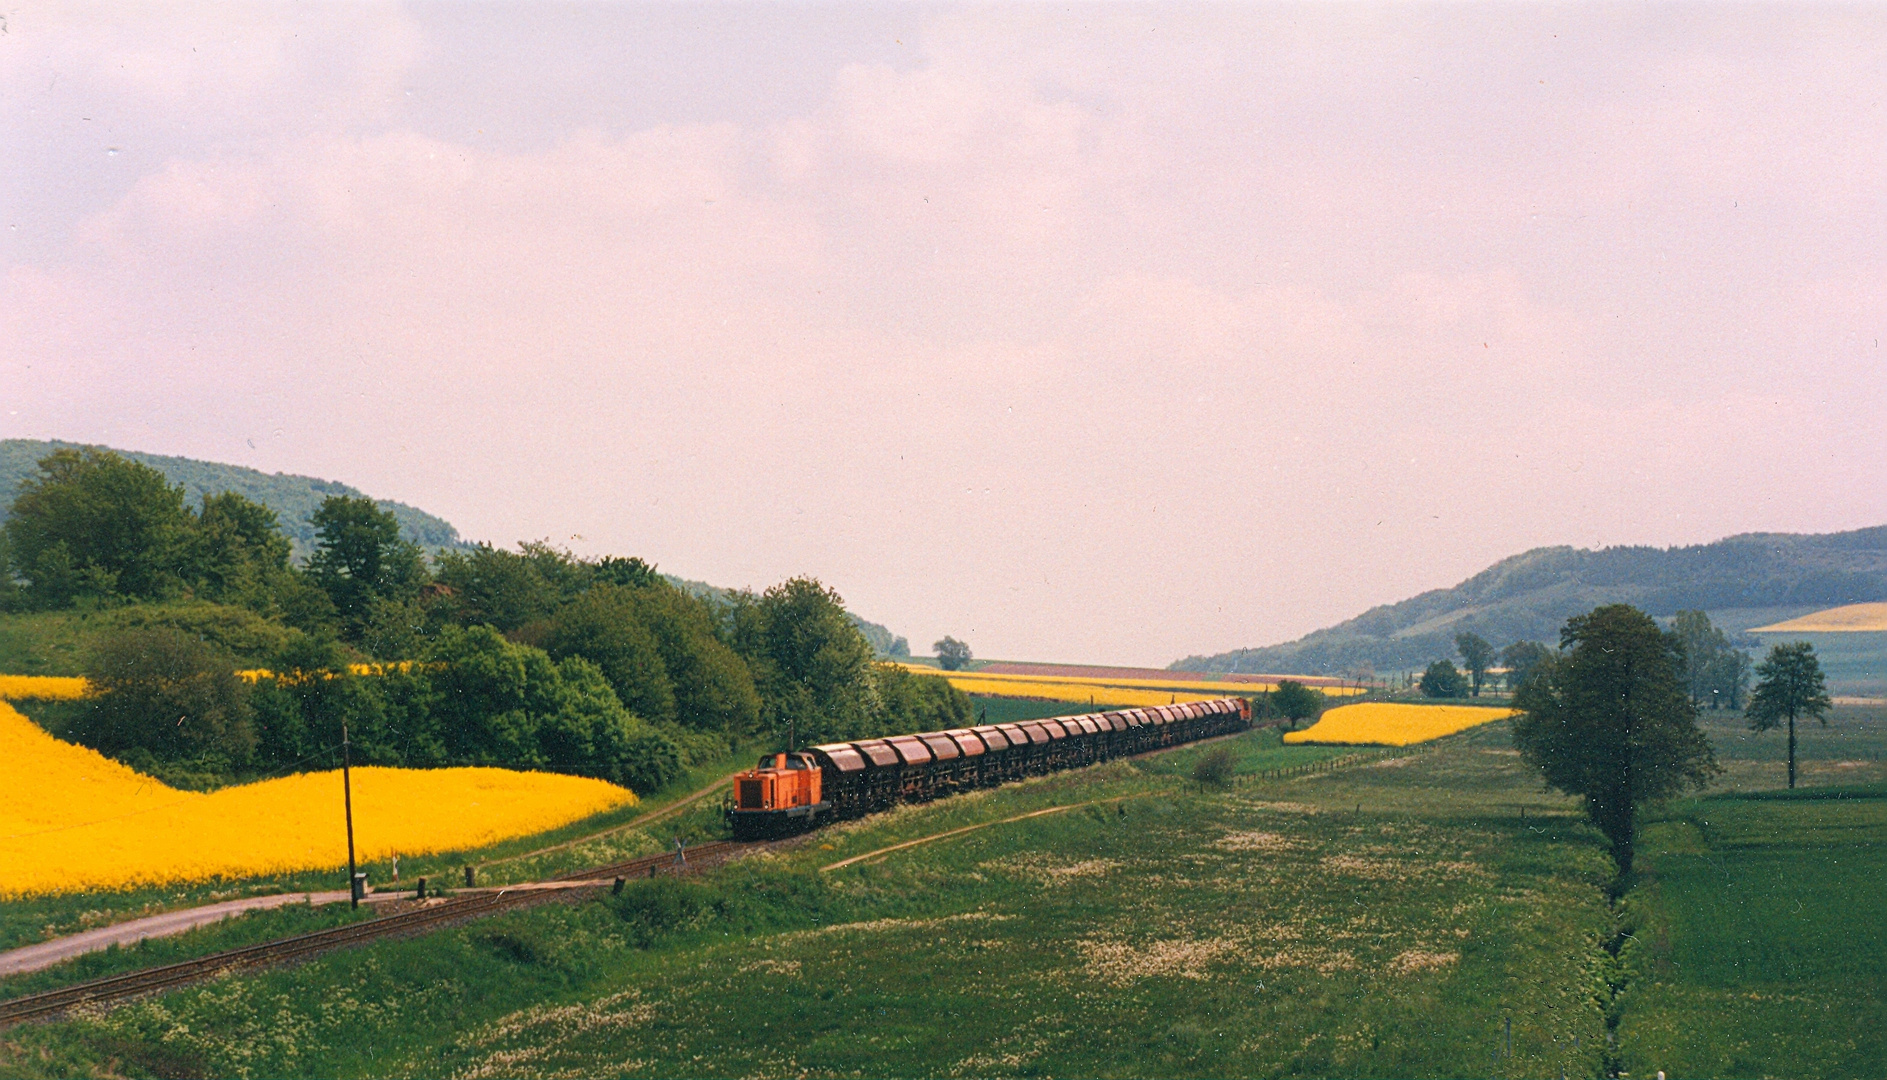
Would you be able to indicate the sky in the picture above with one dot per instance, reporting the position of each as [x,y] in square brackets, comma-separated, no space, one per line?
[1105,333]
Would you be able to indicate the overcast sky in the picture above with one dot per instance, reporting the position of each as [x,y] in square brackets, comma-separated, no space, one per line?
[1090,333]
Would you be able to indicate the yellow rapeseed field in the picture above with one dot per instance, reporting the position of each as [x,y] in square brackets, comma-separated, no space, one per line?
[42,687]
[1383,723]
[1125,693]
[73,820]
[1079,693]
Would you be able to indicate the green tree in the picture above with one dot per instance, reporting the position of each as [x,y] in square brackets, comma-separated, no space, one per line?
[813,666]
[1789,684]
[1443,680]
[360,559]
[911,702]
[660,650]
[508,589]
[1520,659]
[1715,674]
[168,694]
[237,552]
[1478,655]
[605,627]
[952,655]
[1728,679]
[499,703]
[714,690]
[92,523]
[1609,721]
[1296,702]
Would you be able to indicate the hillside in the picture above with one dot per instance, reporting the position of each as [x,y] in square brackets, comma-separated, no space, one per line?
[1744,581]
[293,498]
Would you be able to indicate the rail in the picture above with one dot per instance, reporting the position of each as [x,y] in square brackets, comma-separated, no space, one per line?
[268,954]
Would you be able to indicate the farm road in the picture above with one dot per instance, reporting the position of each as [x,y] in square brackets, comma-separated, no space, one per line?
[47,953]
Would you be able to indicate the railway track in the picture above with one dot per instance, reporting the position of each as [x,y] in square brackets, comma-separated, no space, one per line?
[269,954]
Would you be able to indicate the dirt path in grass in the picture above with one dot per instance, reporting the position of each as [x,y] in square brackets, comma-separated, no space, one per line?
[47,953]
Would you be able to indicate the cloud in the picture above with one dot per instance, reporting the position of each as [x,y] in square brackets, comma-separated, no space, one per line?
[1114,338]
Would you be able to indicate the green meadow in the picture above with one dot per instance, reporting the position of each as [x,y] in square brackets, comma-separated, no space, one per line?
[1423,912]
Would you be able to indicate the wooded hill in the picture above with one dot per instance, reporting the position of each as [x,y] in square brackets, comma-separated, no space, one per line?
[1530,596]
[295,499]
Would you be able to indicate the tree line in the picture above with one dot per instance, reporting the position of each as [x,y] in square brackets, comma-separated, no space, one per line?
[1714,674]
[531,658]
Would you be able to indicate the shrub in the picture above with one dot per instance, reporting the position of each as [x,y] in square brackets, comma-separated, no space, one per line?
[168,693]
[1214,767]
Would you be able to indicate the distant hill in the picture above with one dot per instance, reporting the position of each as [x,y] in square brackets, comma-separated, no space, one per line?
[1744,581]
[293,498]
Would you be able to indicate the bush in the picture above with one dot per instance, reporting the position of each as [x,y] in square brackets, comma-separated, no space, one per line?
[170,694]
[1443,680]
[1214,767]
[652,908]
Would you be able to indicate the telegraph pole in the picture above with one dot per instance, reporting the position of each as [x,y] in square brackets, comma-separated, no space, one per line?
[347,801]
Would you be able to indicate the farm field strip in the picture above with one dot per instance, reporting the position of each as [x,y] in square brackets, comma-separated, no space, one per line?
[1851,618]
[1384,723]
[41,687]
[1129,693]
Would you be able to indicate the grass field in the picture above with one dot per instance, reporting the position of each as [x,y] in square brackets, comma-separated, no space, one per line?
[1332,911]
[1855,662]
[1760,937]
[1163,928]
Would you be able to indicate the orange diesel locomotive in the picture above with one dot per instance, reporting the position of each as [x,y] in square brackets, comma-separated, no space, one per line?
[790,793]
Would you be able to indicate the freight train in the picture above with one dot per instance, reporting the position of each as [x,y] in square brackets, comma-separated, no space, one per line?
[792,792]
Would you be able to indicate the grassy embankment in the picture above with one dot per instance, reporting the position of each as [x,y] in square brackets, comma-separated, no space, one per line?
[1383,919]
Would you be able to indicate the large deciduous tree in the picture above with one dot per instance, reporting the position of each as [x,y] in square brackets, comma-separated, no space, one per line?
[1789,684]
[93,523]
[168,694]
[1296,702]
[952,655]
[809,659]
[1609,720]
[1714,672]
[1477,656]
[360,560]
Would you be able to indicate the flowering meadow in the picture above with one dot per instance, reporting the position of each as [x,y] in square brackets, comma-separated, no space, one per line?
[1383,723]
[73,820]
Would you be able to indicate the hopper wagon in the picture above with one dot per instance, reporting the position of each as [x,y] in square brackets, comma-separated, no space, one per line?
[793,792]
